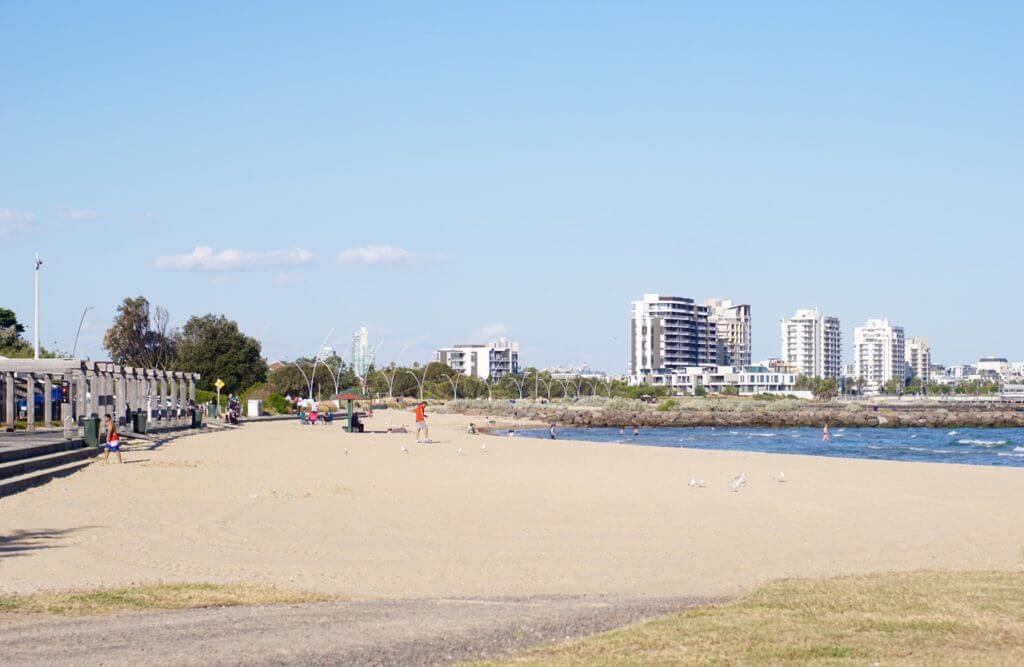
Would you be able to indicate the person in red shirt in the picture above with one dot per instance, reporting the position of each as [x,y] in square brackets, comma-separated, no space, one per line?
[421,424]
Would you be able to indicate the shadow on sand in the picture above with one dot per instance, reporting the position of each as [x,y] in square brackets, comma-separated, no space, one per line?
[23,542]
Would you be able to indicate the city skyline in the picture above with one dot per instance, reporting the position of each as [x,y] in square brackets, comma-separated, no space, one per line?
[516,171]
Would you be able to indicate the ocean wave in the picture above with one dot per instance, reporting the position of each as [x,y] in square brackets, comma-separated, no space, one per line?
[1016,455]
[982,443]
[1018,449]
[952,432]
[921,449]
[762,435]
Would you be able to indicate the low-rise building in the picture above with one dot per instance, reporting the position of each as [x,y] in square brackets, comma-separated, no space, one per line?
[747,380]
[486,361]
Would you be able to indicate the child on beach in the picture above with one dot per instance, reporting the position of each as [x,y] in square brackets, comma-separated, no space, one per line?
[113,439]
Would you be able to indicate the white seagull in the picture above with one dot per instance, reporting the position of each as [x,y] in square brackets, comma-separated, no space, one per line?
[738,482]
[781,477]
[460,451]
[405,450]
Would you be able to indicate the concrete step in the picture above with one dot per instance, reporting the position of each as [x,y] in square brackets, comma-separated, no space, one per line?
[29,451]
[22,482]
[22,466]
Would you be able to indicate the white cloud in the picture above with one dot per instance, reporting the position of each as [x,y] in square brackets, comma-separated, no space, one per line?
[205,258]
[13,220]
[375,254]
[79,214]
[489,332]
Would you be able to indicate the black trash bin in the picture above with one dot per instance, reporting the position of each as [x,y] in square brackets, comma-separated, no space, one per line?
[91,426]
[139,422]
[197,418]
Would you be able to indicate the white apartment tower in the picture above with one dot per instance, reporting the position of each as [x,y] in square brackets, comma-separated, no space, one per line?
[669,333]
[878,353]
[919,358]
[734,331]
[812,344]
[361,354]
[489,361]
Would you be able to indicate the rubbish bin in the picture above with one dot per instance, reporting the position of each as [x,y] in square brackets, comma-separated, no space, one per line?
[211,410]
[197,419]
[139,422]
[91,426]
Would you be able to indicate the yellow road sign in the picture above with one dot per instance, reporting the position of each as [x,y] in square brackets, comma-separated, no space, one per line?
[219,384]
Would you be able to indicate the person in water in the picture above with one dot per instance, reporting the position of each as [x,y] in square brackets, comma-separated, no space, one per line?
[825,437]
[636,431]
[551,432]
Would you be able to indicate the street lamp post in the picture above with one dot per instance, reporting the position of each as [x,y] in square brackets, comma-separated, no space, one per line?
[35,347]
[79,332]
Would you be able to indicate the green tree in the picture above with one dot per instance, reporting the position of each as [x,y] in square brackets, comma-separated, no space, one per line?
[9,319]
[826,389]
[139,336]
[213,346]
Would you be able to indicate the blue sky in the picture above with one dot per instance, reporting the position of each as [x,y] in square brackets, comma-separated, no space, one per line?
[441,172]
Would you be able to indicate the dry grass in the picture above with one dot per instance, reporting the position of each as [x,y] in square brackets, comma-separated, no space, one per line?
[151,597]
[915,618]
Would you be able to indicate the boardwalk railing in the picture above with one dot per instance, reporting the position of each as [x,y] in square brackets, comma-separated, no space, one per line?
[30,388]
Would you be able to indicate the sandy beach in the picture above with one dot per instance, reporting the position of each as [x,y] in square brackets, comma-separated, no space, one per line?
[282,503]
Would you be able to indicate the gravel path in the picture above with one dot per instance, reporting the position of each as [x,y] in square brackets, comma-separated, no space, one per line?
[397,632]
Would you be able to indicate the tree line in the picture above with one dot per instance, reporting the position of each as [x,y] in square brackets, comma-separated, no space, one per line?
[211,345]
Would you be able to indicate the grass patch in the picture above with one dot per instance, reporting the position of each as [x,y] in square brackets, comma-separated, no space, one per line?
[909,618]
[151,597]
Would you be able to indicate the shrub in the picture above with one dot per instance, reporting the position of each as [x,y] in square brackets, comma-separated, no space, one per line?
[277,404]
[670,404]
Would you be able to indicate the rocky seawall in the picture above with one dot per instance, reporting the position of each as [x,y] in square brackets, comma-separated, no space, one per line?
[811,414]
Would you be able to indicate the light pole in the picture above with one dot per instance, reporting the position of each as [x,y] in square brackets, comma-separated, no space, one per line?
[309,382]
[79,332]
[35,347]
[455,385]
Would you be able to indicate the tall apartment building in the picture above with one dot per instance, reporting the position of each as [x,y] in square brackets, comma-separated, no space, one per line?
[918,355]
[878,353]
[669,333]
[734,331]
[361,354]
[812,344]
[490,361]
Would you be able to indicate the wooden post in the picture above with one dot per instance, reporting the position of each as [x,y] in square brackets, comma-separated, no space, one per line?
[47,401]
[30,401]
[10,403]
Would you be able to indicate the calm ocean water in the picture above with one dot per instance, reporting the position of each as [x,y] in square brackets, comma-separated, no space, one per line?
[993,447]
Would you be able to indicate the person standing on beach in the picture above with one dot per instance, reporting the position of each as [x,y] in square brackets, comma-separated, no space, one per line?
[113,439]
[421,424]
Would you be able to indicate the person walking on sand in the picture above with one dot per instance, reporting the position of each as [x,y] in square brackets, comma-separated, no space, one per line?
[113,439]
[421,424]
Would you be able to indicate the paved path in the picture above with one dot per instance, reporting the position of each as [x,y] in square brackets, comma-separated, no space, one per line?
[398,632]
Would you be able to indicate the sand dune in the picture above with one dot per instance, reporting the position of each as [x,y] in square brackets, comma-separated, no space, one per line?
[282,503]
